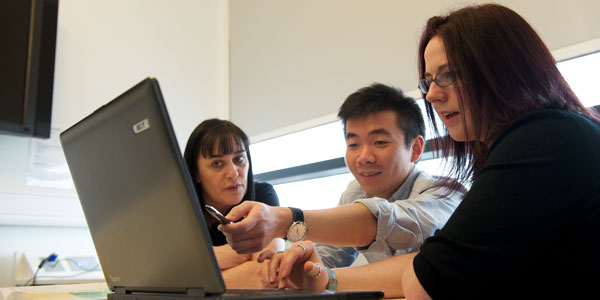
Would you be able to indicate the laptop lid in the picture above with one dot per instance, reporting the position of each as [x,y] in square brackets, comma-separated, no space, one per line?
[138,198]
[141,208]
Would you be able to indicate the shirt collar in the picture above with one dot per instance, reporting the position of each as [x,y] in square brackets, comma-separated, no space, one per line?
[406,188]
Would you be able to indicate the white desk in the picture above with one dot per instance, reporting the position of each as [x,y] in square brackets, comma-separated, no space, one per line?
[79,291]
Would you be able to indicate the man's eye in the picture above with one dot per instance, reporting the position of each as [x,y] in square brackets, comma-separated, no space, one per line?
[352,145]
[381,142]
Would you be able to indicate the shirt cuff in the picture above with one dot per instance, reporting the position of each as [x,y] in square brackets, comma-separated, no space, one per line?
[390,236]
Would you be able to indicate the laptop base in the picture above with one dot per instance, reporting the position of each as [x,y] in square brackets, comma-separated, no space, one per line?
[256,294]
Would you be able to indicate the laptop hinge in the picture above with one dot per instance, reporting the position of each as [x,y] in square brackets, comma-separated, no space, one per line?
[121,293]
[196,292]
[120,290]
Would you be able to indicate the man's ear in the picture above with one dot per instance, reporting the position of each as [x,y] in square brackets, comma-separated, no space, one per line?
[418,144]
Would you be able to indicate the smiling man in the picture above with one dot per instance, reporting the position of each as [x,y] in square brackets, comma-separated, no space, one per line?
[390,208]
[384,133]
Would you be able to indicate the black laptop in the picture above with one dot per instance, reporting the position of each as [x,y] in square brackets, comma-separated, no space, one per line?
[141,208]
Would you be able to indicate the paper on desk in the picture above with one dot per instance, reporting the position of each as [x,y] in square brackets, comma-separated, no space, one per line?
[58,296]
[55,292]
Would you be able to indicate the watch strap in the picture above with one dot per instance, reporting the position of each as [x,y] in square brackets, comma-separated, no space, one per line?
[297,214]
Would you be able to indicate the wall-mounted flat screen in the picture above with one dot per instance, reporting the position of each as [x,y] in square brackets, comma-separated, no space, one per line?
[28,39]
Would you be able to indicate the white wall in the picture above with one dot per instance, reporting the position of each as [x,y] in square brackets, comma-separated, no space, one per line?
[293,61]
[103,48]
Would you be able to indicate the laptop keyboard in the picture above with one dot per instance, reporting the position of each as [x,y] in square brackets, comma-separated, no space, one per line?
[269,292]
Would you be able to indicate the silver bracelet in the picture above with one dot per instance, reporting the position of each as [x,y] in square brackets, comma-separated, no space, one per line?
[333,282]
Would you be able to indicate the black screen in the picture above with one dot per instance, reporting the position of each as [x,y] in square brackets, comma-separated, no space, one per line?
[28,37]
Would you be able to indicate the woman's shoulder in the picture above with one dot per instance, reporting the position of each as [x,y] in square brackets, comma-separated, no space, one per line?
[265,193]
[557,135]
[554,116]
[263,186]
[550,126]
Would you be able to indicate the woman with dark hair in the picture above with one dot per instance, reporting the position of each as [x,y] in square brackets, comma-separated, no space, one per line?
[509,70]
[529,225]
[218,157]
[531,150]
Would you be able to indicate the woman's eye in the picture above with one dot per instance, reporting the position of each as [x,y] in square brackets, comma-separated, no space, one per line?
[217,164]
[240,159]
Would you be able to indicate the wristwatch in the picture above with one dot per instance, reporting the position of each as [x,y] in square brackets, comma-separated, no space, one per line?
[297,231]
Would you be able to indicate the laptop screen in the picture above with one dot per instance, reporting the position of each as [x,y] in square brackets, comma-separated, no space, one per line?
[138,198]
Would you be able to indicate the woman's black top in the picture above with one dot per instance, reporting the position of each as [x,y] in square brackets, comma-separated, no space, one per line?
[530,224]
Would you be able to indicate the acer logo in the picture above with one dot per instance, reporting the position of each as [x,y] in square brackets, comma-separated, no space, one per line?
[114,278]
[141,126]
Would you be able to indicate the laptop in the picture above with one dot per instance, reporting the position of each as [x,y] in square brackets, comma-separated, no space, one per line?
[141,208]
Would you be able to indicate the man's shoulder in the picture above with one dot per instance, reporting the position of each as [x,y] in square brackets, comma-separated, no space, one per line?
[423,181]
[354,186]
[429,184]
[353,192]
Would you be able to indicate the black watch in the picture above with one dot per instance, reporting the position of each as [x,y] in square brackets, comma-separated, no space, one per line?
[297,231]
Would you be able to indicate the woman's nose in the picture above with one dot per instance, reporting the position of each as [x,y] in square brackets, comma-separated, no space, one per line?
[435,93]
[233,171]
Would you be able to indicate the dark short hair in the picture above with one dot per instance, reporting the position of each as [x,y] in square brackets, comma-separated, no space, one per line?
[378,98]
[225,136]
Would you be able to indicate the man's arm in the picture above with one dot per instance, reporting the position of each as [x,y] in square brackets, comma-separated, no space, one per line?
[405,224]
[348,225]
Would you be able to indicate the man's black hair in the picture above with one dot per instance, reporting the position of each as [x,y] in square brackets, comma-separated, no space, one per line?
[378,98]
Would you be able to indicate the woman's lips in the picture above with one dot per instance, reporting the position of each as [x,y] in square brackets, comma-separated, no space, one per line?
[449,116]
[233,187]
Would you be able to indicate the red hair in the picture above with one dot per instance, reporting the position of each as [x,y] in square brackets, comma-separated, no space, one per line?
[506,70]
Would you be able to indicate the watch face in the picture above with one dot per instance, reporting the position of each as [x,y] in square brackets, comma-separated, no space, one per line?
[297,232]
